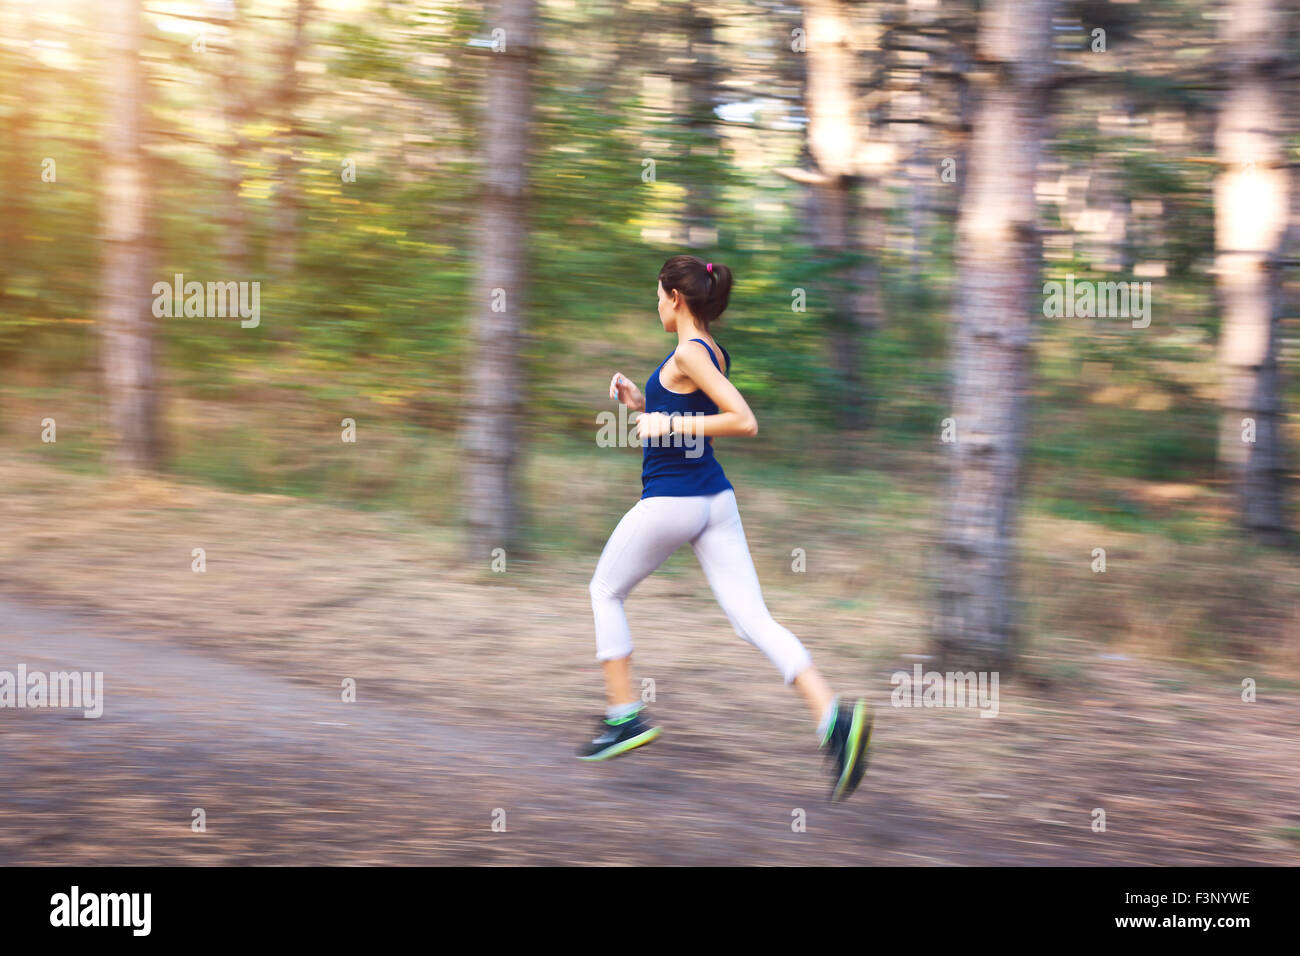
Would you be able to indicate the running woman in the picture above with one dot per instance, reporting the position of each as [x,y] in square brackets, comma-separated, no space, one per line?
[685,497]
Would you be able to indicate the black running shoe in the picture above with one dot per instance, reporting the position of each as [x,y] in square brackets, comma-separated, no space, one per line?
[618,737]
[846,745]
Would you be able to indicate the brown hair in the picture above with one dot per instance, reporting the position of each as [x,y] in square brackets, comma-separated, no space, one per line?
[706,286]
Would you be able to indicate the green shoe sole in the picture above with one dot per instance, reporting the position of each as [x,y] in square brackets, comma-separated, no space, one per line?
[858,743]
[624,746]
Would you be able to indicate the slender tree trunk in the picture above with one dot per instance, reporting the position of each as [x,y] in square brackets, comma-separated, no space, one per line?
[1251,206]
[920,177]
[126,326]
[834,208]
[234,107]
[21,169]
[704,138]
[998,260]
[834,139]
[490,432]
[284,238]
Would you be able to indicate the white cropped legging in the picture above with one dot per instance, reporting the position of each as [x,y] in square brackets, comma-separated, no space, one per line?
[654,529]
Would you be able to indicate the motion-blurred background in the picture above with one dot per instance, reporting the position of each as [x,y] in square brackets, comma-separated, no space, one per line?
[453,214]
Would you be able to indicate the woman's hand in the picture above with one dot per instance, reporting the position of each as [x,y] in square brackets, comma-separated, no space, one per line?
[622,389]
[653,425]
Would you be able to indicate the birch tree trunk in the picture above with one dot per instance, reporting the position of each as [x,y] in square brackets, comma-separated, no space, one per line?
[997,293]
[1251,204]
[127,324]
[490,434]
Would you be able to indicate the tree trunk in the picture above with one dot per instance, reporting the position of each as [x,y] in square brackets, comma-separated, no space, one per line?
[834,206]
[1251,204]
[703,137]
[126,326]
[834,140]
[22,169]
[234,107]
[998,259]
[284,238]
[490,432]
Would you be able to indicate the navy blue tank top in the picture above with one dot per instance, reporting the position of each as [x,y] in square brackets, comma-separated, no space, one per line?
[680,466]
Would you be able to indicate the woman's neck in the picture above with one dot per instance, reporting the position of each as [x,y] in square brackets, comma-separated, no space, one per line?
[689,330]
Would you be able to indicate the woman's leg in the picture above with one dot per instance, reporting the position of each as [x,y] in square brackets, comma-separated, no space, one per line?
[643,540]
[618,681]
[844,734]
[815,691]
[723,553]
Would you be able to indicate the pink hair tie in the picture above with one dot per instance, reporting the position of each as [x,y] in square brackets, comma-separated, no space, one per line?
[709,267]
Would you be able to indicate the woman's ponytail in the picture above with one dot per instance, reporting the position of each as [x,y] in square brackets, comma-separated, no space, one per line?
[719,291]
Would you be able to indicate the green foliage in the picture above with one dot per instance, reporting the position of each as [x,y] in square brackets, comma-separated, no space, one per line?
[374,321]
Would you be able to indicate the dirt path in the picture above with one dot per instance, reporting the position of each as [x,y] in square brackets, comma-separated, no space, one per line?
[288,774]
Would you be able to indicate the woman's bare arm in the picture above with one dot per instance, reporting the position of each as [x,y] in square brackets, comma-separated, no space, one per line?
[734,416]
